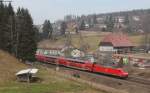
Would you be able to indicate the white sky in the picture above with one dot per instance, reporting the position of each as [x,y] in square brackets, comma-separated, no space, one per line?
[57,9]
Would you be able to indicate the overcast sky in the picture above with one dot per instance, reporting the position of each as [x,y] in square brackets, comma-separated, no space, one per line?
[57,9]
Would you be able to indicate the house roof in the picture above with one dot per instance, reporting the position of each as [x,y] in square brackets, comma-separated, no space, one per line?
[118,40]
[26,71]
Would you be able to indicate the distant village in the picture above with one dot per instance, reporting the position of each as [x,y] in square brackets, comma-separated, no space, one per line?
[129,21]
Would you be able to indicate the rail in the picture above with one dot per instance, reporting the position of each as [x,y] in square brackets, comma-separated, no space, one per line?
[138,80]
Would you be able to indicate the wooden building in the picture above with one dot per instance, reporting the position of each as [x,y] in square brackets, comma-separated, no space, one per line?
[116,42]
[26,75]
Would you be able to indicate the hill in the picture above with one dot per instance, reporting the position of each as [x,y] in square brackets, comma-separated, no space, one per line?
[133,21]
[91,38]
[9,65]
[50,81]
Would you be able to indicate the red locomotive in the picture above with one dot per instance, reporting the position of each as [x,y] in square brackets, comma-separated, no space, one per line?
[81,64]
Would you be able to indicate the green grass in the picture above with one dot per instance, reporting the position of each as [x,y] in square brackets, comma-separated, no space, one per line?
[56,87]
[137,40]
[92,39]
[50,83]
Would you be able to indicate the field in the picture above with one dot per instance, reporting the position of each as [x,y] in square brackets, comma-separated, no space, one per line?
[9,65]
[49,81]
[91,38]
[136,39]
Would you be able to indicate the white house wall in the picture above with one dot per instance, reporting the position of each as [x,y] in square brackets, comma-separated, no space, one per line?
[106,48]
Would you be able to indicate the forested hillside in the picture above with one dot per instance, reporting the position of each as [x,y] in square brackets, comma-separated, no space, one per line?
[17,33]
[130,21]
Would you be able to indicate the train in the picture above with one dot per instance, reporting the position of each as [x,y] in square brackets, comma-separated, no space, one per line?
[80,64]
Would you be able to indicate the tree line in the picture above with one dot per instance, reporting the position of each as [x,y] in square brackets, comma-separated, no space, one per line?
[48,30]
[18,35]
[111,22]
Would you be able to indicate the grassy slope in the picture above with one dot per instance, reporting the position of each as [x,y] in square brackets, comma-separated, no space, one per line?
[9,65]
[50,83]
[92,38]
[137,40]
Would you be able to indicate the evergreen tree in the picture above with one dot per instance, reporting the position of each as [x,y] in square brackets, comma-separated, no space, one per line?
[12,33]
[126,22]
[82,25]
[90,22]
[110,23]
[17,34]
[2,46]
[26,44]
[63,28]
[76,30]
[37,35]
[7,27]
[47,29]
[94,19]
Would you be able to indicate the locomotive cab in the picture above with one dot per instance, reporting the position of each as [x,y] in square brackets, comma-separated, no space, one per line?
[122,73]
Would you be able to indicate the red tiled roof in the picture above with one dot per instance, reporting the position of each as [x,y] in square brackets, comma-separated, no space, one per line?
[118,40]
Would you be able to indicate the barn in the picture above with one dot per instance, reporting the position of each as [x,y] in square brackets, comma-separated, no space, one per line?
[116,42]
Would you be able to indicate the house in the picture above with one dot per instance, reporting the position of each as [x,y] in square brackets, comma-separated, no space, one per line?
[116,42]
[120,19]
[53,50]
[136,18]
[26,75]
[100,20]
[60,50]
[101,26]
[119,22]
[49,51]
[87,26]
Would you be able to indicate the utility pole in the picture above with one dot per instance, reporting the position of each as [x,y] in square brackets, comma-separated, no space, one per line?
[84,46]
[68,43]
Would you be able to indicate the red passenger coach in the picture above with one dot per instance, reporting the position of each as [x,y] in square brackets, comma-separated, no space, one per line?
[81,64]
[75,63]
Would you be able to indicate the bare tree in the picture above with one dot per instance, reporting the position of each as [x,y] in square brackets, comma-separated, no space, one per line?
[146,28]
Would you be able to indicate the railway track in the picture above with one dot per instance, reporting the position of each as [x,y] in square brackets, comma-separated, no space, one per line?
[131,84]
[138,80]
